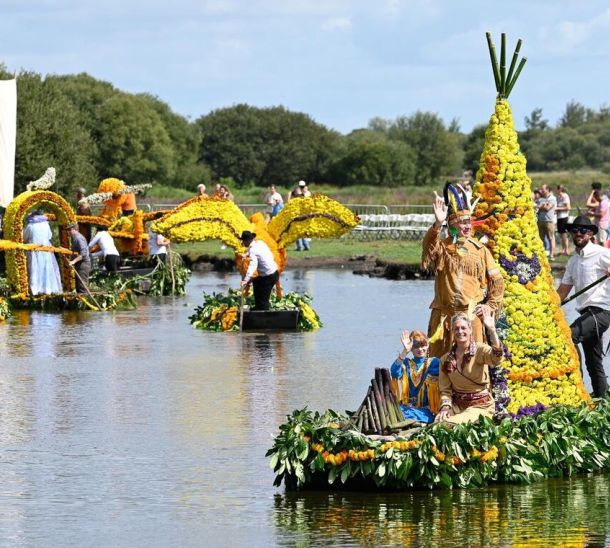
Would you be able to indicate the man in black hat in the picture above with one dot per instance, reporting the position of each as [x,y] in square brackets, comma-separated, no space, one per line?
[589,263]
[261,261]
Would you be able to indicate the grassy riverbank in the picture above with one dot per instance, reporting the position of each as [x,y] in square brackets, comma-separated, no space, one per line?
[578,184]
[399,251]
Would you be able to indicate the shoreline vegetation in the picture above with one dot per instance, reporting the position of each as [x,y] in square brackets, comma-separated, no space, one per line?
[392,259]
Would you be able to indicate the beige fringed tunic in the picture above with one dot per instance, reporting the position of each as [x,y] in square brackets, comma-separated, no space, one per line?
[466,387]
[466,275]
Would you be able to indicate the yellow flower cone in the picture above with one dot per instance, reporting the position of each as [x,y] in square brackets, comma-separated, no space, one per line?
[544,366]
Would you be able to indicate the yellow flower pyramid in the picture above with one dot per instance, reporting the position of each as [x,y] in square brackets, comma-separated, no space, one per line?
[544,366]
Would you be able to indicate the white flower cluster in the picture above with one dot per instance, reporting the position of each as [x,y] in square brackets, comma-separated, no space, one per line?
[46,181]
[135,189]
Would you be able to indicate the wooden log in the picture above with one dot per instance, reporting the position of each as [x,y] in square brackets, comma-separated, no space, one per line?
[380,408]
[360,421]
[368,417]
[390,405]
[375,410]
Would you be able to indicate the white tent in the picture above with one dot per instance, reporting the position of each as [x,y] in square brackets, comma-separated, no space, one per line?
[8,139]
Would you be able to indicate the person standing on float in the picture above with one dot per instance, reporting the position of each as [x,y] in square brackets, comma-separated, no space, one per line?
[589,263]
[467,278]
[261,261]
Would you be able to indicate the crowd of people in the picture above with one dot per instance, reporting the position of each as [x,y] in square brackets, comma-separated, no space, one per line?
[553,213]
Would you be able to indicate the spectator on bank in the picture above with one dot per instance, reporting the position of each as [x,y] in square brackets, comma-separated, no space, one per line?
[275,201]
[547,217]
[222,191]
[563,214]
[601,215]
[304,189]
[201,190]
[594,197]
[297,192]
[107,251]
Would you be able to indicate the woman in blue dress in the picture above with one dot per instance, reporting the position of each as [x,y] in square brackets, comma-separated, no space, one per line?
[415,379]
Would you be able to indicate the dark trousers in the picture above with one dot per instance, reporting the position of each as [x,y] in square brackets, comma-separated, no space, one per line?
[262,286]
[83,269]
[112,262]
[588,330]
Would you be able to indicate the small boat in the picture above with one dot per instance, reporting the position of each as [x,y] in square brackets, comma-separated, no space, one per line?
[269,320]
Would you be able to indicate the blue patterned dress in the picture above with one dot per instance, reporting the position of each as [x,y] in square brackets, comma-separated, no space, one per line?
[415,381]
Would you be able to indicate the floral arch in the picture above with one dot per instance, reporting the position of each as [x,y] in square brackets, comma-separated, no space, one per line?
[13,224]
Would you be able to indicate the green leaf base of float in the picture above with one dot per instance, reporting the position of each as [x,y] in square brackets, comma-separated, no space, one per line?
[220,311]
[315,451]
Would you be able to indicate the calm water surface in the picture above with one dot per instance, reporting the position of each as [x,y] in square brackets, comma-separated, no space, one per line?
[133,429]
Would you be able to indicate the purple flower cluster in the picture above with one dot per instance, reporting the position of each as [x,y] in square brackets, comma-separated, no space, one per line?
[499,390]
[525,269]
[530,411]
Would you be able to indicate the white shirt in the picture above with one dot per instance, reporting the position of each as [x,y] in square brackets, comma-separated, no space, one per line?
[153,245]
[583,269]
[275,198]
[106,243]
[261,259]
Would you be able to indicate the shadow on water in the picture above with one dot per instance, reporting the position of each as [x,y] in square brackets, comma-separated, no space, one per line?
[132,428]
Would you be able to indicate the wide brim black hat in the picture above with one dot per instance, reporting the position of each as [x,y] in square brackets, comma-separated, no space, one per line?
[582,221]
[247,236]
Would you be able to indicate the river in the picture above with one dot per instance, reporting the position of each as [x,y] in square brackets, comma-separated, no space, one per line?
[133,429]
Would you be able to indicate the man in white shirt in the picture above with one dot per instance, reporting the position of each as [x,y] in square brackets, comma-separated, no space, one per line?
[261,261]
[589,263]
[108,250]
[157,246]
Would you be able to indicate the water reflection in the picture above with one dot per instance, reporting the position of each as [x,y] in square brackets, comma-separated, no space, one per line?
[558,512]
[132,426]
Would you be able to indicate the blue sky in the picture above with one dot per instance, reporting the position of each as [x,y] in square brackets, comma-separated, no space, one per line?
[342,62]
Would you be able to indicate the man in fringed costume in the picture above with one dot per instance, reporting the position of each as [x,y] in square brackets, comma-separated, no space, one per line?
[467,276]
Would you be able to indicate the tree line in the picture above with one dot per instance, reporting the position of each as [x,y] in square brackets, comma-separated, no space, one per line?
[88,130]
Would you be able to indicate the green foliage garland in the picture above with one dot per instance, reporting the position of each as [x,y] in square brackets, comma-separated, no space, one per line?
[211,314]
[561,441]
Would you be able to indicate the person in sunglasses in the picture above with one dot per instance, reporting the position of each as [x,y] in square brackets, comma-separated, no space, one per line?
[589,263]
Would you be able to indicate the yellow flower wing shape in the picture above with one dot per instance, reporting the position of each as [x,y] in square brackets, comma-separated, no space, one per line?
[203,218]
[316,216]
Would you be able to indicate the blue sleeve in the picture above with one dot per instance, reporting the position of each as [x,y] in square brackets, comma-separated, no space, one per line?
[396,370]
[434,368]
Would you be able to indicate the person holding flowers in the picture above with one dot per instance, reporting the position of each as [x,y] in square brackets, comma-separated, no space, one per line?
[467,278]
[588,264]
[415,380]
[464,380]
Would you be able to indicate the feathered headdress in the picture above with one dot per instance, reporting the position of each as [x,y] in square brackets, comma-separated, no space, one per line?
[457,201]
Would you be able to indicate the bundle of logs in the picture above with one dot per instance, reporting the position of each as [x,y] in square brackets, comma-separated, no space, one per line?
[380,411]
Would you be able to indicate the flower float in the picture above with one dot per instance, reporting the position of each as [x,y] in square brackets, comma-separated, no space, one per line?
[317,450]
[543,366]
[13,224]
[203,218]
[552,428]
[220,312]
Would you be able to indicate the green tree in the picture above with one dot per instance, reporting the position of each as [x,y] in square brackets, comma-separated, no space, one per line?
[50,133]
[473,147]
[266,146]
[371,158]
[436,154]
[186,139]
[133,142]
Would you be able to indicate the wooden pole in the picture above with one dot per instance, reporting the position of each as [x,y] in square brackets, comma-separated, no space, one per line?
[379,403]
[86,287]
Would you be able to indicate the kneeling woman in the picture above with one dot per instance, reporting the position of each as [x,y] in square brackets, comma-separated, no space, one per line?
[415,380]
[464,381]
